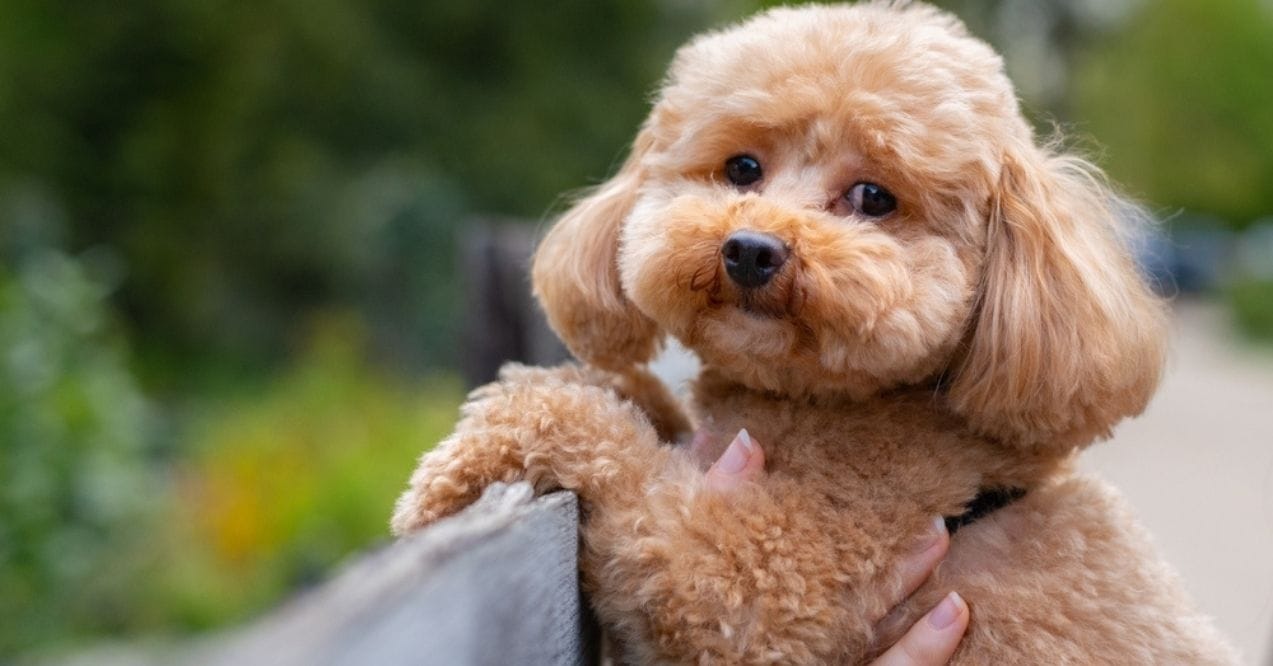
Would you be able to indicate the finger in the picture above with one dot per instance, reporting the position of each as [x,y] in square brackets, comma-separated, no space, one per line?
[934,637]
[742,461]
[922,558]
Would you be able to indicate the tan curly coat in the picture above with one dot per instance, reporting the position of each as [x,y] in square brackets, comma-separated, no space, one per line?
[978,336]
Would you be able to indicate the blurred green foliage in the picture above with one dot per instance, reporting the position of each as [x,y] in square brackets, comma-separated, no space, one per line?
[1250,289]
[278,156]
[275,483]
[1252,304]
[1182,100]
[284,481]
[75,483]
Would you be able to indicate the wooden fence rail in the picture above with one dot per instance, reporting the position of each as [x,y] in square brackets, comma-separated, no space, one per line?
[496,584]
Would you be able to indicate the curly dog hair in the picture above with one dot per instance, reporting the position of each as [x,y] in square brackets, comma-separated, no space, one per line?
[905,297]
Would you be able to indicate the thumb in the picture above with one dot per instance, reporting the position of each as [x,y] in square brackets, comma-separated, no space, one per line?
[742,461]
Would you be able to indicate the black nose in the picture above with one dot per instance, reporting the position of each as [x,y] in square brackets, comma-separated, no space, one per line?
[752,259]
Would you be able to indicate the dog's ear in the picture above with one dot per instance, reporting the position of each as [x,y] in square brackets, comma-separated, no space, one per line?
[576,274]
[1068,338]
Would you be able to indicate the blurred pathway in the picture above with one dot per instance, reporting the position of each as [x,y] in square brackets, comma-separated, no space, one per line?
[1198,469]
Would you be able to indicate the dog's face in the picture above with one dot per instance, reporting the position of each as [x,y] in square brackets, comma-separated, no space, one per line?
[846,199]
[813,211]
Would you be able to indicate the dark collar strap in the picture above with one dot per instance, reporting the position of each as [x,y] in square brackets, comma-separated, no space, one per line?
[988,500]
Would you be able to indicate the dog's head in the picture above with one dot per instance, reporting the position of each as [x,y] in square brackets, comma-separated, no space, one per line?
[847,199]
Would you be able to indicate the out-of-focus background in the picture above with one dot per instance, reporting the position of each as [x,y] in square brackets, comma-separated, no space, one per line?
[230,298]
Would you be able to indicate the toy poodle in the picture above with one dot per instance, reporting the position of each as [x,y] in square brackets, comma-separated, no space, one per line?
[917,308]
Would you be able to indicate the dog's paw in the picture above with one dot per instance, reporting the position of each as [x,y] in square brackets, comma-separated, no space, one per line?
[442,485]
[557,428]
[635,385]
[529,404]
[502,423]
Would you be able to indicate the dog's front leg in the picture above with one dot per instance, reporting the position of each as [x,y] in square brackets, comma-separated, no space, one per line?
[681,572]
[636,384]
[558,428]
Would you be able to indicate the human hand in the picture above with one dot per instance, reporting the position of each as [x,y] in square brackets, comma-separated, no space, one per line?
[931,640]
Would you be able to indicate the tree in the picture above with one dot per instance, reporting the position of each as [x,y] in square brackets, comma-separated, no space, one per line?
[1183,100]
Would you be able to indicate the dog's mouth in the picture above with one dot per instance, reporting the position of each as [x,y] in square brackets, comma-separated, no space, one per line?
[781,297]
[766,303]
[762,306]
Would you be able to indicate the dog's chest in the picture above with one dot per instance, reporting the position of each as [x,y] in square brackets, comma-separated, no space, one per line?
[882,454]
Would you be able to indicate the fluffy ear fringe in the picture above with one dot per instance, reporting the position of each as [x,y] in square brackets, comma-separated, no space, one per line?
[575,274]
[1069,339]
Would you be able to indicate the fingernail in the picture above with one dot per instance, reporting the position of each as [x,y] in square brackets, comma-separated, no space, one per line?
[934,535]
[735,457]
[946,612]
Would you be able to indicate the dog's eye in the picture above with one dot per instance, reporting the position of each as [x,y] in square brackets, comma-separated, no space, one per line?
[743,170]
[871,199]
